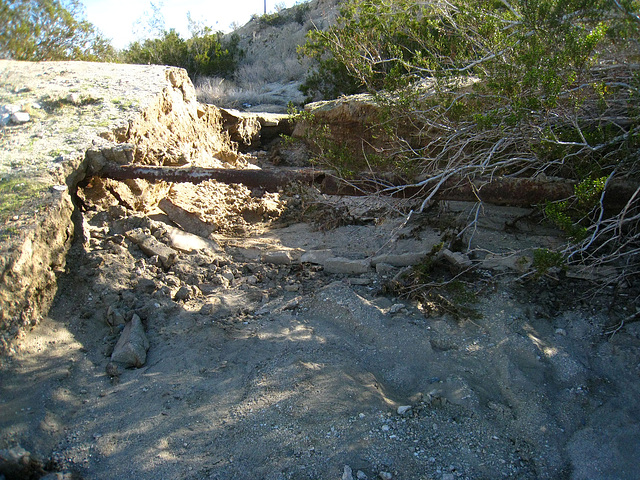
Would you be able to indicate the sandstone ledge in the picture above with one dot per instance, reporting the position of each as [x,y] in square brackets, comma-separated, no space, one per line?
[84,113]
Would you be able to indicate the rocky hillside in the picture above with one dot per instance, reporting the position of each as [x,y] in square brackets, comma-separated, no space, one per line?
[270,73]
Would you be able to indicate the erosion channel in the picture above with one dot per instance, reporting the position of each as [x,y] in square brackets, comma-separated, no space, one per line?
[216,331]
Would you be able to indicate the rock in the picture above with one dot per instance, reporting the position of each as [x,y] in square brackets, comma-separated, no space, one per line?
[404,410]
[456,259]
[151,246]
[448,476]
[189,242]
[277,257]
[188,221]
[131,349]
[20,117]
[396,308]
[385,476]
[361,475]
[359,281]
[16,463]
[507,262]
[347,473]
[385,268]
[317,257]
[183,293]
[346,266]
[399,260]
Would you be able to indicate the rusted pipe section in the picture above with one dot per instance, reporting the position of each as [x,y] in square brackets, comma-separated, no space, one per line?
[497,190]
[270,180]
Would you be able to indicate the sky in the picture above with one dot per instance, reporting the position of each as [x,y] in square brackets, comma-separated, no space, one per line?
[124,21]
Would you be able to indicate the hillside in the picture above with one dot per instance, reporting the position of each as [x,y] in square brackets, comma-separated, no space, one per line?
[270,73]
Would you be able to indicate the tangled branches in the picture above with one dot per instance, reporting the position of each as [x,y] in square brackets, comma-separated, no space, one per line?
[510,88]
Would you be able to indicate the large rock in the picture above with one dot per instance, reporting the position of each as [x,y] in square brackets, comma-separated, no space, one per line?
[152,247]
[131,349]
[348,121]
[346,266]
[250,130]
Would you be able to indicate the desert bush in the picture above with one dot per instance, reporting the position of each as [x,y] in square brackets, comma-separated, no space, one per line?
[203,54]
[507,87]
[49,30]
[298,14]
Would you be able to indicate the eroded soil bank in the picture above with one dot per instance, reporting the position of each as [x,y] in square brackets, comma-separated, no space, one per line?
[280,346]
[262,365]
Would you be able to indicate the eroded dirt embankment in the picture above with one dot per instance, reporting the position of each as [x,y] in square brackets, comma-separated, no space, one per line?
[281,335]
[82,114]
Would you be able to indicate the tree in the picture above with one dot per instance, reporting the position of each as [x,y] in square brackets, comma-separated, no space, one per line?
[49,30]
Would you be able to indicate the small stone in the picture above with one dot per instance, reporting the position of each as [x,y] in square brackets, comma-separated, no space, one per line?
[448,476]
[183,293]
[561,331]
[20,117]
[385,476]
[404,410]
[456,259]
[361,475]
[386,428]
[292,288]
[347,473]
[359,281]
[396,308]
[73,98]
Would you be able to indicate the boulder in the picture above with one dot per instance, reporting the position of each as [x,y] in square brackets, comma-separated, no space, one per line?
[250,130]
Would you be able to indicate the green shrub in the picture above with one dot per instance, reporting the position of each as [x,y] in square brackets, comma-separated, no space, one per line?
[201,55]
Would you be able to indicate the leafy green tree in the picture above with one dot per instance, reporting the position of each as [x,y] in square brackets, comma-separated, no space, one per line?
[49,30]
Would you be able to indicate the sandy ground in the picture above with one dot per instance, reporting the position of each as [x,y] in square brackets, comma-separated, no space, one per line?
[286,371]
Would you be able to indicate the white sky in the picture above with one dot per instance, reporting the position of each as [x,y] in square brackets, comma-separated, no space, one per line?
[117,19]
